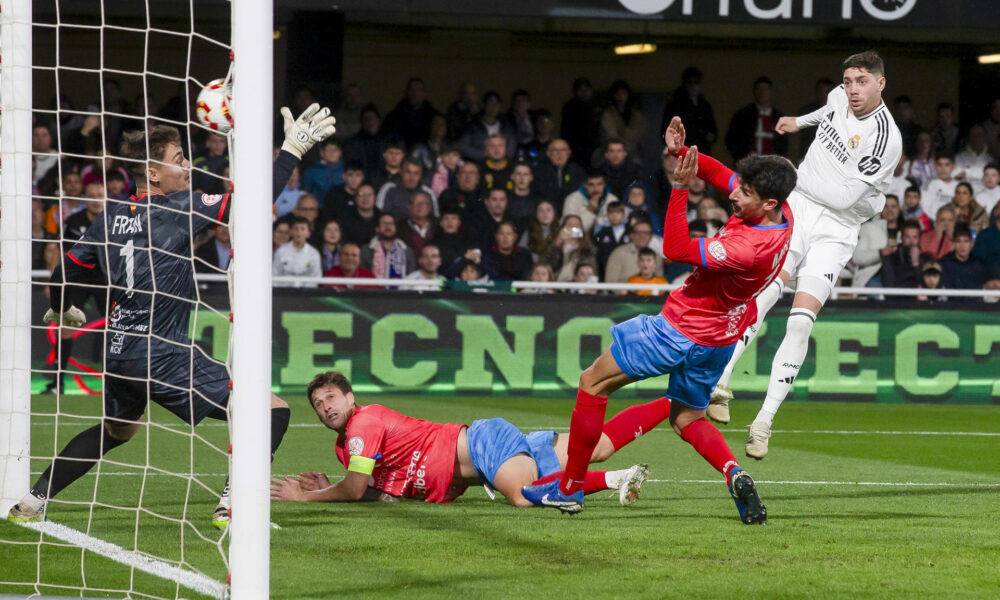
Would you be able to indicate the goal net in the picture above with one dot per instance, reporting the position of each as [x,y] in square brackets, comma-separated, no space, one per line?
[77,79]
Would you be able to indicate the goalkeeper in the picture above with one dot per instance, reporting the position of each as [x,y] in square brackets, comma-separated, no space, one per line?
[390,455]
[140,250]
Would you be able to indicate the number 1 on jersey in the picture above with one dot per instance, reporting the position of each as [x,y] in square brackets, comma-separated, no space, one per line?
[128,251]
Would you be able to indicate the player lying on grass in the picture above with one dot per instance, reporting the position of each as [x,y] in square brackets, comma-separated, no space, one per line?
[140,250]
[389,455]
[693,336]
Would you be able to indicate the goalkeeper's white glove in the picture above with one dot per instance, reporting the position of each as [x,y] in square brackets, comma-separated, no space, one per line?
[313,125]
[71,317]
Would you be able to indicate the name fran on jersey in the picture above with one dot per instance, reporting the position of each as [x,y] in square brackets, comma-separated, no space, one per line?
[125,225]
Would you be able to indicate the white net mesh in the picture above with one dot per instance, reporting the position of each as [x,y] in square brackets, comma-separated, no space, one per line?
[138,524]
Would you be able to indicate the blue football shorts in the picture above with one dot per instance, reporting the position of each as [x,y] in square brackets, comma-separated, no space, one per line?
[492,442]
[648,346]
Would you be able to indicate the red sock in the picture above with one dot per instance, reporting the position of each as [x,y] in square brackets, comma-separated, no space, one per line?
[594,481]
[584,433]
[634,421]
[709,443]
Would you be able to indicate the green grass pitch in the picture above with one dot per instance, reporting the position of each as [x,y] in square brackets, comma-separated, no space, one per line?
[832,532]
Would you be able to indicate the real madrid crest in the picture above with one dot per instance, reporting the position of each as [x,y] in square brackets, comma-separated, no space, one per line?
[853,142]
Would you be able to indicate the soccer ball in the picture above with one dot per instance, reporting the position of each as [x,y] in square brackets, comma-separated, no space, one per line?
[214,106]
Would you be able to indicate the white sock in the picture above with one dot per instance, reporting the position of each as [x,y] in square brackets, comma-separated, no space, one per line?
[765,302]
[32,501]
[787,362]
[613,479]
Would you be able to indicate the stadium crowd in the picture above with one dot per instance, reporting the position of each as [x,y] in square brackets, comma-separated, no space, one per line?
[478,194]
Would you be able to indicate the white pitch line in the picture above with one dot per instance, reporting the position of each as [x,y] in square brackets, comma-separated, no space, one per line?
[189,579]
[873,483]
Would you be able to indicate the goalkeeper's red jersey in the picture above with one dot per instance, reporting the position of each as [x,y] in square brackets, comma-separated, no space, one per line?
[715,305]
[413,458]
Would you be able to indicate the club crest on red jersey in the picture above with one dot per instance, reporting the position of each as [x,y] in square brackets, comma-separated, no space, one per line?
[717,250]
[211,199]
[355,445]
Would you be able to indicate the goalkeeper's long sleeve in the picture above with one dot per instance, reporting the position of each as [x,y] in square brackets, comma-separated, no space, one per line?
[283,167]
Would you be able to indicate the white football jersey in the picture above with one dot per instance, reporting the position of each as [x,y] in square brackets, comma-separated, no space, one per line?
[849,165]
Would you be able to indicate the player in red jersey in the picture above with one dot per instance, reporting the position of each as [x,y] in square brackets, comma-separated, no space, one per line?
[693,337]
[389,455]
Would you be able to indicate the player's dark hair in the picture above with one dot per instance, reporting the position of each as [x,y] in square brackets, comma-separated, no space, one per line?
[770,176]
[911,224]
[961,230]
[913,188]
[868,60]
[134,147]
[334,378]
[647,252]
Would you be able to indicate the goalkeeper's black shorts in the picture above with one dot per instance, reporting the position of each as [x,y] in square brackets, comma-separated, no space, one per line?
[187,383]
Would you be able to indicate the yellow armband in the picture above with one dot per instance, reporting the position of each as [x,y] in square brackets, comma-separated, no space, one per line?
[361,464]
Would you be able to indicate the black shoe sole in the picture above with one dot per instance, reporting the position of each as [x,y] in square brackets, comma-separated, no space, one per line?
[756,512]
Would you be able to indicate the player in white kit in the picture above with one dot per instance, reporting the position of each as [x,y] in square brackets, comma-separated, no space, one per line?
[841,184]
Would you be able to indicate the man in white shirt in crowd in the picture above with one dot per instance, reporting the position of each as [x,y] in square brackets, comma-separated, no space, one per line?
[428,264]
[941,189]
[990,193]
[297,258]
[970,162]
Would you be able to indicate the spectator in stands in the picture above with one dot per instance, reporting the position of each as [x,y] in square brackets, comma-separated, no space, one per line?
[39,236]
[892,215]
[307,208]
[558,175]
[647,272]
[521,117]
[71,192]
[662,182]
[987,246]
[42,151]
[366,146]
[463,111]
[866,261]
[87,138]
[386,255]
[967,210]
[622,120]
[588,201]
[521,201]
[571,247]
[636,198]
[281,233]
[445,173]
[505,260]
[944,136]
[545,128]
[960,269]
[619,170]
[931,280]
[288,199]
[329,247]
[940,190]
[922,166]
[394,198]
[542,230]
[114,185]
[419,227]
[428,150]
[913,209]
[990,194]
[496,167]
[821,90]
[711,214]
[490,122]
[215,253]
[79,222]
[327,172]
[350,266]
[411,119]
[483,225]
[970,162]
[428,266]
[751,130]
[471,272]
[580,122]
[297,258]
[340,198]
[393,154]
[585,272]
[348,114]
[451,241]
[541,273]
[992,128]
[359,221]
[611,235]
[688,103]
[900,177]
[902,111]
[624,260]
[105,161]
[901,264]
[938,242]
[206,170]
[466,195]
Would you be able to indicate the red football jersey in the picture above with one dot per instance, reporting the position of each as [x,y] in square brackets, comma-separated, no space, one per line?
[413,458]
[715,306]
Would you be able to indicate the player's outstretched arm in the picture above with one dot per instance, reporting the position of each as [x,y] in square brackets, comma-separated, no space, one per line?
[710,170]
[314,125]
[786,125]
[349,489]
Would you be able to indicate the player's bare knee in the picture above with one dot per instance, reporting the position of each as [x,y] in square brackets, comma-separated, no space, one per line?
[277,402]
[603,450]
